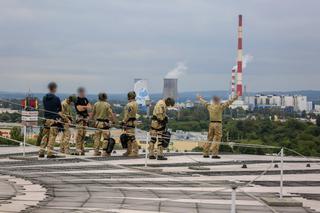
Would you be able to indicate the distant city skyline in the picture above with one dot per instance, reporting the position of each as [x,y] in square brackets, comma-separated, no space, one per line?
[105,45]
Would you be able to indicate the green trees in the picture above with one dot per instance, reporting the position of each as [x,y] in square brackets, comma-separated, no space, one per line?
[318,120]
[16,133]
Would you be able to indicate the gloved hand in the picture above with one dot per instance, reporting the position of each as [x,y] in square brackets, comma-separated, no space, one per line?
[165,120]
[122,123]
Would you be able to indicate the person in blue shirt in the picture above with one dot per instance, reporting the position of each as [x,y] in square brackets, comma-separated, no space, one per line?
[52,111]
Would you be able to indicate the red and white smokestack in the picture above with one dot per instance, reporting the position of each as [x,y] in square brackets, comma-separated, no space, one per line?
[233,82]
[239,58]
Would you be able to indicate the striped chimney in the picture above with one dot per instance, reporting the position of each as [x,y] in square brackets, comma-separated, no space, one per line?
[239,58]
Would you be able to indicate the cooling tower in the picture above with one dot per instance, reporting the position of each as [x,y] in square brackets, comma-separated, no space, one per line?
[170,88]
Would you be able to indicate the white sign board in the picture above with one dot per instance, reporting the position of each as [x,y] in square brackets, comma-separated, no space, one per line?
[29,116]
[141,89]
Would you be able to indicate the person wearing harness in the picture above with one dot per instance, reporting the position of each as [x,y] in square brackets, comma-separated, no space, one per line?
[66,115]
[129,124]
[52,107]
[103,115]
[82,107]
[215,109]
[158,127]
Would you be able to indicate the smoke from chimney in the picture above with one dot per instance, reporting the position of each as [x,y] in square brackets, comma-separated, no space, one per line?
[180,69]
[246,59]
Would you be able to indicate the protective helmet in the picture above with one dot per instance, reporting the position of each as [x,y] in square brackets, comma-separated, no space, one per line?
[72,98]
[102,96]
[131,95]
[169,101]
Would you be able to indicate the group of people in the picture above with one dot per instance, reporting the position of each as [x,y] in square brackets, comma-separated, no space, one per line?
[58,116]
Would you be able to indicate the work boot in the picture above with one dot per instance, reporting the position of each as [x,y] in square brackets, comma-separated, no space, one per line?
[129,149]
[161,157]
[41,155]
[152,157]
[96,153]
[206,156]
[215,157]
[105,154]
[135,149]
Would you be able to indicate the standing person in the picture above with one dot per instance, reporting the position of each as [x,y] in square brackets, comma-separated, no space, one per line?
[66,114]
[129,124]
[103,115]
[52,109]
[215,127]
[82,106]
[159,122]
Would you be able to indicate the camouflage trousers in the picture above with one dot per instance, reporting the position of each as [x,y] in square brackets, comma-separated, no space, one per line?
[49,138]
[156,134]
[214,139]
[81,133]
[101,136]
[133,148]
[65,140]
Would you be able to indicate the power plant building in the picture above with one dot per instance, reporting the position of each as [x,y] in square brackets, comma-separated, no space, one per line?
[296,102]
[170,88]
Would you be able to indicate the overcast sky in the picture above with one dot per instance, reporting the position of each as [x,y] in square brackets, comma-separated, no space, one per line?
[105,44]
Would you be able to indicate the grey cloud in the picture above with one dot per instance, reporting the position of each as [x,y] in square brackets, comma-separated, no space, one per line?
[105,44]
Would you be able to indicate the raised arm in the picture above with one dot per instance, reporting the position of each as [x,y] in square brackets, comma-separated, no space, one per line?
[228,103]
[203,101]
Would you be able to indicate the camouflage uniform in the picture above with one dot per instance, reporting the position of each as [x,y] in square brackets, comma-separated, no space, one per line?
[67,119]
[82,121]
[158,127]
[50,133]
[102,112]
[215,126]
[129,122]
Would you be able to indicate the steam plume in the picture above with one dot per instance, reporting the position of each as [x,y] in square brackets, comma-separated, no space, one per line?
[180,69]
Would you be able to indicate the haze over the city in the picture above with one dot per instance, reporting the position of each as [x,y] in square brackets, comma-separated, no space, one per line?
[104,45]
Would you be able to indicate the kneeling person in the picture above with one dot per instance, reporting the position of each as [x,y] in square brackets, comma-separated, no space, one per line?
[102,114]
[129,125]
[158,127]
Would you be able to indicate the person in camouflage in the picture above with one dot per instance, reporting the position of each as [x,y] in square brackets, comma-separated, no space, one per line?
[103,115]
[215,109]
[129,124]
[66,115]
[158,127]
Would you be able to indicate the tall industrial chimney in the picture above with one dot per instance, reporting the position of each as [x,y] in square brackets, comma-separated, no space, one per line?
[170,88]
[239,58]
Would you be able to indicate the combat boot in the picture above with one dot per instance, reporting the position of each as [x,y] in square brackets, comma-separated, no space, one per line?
[135,149]
[161,157]
[129,149]
[160,154]
[96,153]
[151,151]
[105,154]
